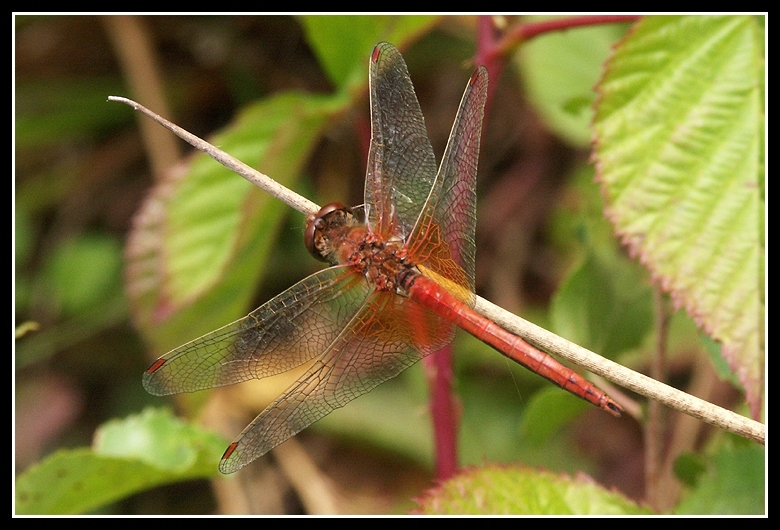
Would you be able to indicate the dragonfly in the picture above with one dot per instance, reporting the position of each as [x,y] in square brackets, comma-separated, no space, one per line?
[400,280]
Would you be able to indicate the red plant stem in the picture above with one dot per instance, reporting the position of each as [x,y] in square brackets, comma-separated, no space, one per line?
[444,415]
[494,48]
[523,32]
[487,38]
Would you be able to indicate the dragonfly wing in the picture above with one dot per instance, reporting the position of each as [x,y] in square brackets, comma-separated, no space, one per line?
[401,165]
[285,332]
[387,336]
[450,212]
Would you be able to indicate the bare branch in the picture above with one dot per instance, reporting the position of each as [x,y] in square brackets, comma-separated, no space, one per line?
[302,204]
[620,375]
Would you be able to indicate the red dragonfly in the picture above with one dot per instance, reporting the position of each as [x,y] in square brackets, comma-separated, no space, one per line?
[399,283]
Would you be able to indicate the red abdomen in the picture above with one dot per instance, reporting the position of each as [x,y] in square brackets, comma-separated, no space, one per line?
[430,294]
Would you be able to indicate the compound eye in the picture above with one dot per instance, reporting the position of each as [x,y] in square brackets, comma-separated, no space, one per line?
[315,224]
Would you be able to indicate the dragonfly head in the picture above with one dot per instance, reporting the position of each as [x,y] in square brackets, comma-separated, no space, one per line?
[321,228]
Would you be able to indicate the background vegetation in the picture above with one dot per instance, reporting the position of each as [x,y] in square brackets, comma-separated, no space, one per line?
[127,246]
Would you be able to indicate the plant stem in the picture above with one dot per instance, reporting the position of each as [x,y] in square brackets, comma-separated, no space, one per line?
[302,204]
[523,32]
[438,369]
[655,425]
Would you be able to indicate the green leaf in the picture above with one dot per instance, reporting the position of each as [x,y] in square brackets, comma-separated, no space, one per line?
[688,468]
[679,151]
[343,43]
[605,308]
[559,71]
[132,455]
[548,410]
[160,439]
[83,271]
[718,362]
[733,484]
[495,490]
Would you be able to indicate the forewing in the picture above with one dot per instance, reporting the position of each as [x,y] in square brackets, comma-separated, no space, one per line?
[285,332]
[401,166]
[446,229]
[385,337]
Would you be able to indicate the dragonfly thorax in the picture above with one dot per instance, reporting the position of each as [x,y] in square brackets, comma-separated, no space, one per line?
[336,236]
